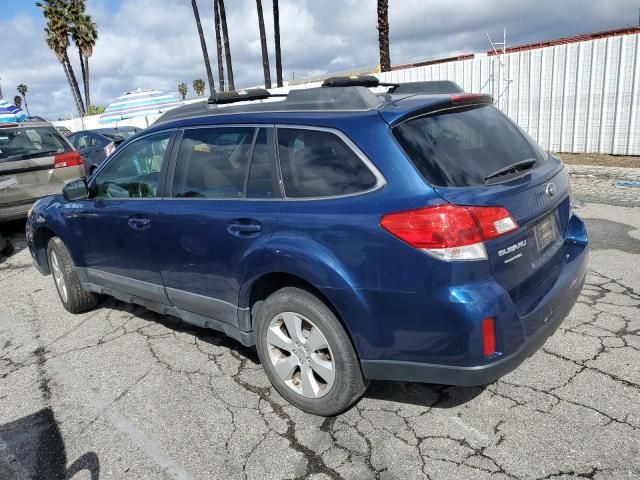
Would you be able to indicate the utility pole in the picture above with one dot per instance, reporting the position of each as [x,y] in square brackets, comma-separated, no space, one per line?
[0,88]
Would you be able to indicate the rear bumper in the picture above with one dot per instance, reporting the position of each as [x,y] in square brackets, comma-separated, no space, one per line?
[554,308]
[15,211]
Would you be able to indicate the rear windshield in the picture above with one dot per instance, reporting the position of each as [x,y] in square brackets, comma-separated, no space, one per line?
[468,146]
[23,142]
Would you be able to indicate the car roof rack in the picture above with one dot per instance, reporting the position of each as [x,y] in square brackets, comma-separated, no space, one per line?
[336,94]
[368,81]
[371,81]
[354,98]
[235,96]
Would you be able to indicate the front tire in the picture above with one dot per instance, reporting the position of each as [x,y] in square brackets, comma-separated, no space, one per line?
[307,354]
[74,298]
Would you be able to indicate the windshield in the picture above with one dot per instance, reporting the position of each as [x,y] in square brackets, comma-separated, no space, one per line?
[468,146]
[23,142]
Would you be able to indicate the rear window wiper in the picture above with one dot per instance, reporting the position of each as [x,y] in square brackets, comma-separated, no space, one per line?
[23,156]
[513,168]
[45,153]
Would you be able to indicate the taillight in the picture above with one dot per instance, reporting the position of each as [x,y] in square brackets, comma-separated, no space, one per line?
[494,221]
[108,150]
[450,232]
[68,159]
[489,336]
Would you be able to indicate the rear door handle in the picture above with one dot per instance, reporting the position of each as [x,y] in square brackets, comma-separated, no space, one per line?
[139,222]
[244,228]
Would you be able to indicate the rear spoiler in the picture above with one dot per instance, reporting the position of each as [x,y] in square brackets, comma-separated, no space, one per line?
[436,104]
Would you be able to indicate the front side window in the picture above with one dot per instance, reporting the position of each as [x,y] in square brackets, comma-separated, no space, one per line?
[213,162]
[135,171]
[317,163]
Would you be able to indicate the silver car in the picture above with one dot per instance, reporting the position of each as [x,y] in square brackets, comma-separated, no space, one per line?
[35,161]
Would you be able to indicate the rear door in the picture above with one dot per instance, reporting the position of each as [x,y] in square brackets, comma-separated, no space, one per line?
[27,158]
[224,204]
[475,155]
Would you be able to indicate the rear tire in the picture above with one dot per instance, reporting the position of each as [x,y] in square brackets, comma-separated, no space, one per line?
[307,354]
[74,298]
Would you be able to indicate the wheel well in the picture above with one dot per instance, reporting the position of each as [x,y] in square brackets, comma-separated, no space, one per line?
[272,282]
[40,241]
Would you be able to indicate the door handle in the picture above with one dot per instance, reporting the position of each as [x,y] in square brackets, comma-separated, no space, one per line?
[244,228]
[139,222]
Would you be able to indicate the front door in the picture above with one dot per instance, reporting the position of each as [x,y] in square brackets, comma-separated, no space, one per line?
[116,225]
[223,208]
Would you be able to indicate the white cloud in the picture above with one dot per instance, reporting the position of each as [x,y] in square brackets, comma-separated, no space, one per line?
[154,43]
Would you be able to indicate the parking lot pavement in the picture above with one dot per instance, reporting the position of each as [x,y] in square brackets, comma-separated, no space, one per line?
[121,392]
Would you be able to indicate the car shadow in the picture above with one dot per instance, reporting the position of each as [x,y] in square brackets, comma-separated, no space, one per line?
[207,335]
[33,448]
[12,238]
[422,394]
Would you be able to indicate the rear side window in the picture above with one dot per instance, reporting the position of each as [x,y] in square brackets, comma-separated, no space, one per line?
[213,162]
[86,140]
[262,181]
[317,163]
[22,143]
[463,147]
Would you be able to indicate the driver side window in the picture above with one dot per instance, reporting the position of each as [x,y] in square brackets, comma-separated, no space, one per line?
[135,171]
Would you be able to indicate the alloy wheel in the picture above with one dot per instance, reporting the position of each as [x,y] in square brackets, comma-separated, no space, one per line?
[58,276]
[300,355]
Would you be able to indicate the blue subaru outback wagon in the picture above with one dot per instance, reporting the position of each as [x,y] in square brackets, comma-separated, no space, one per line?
[348,235]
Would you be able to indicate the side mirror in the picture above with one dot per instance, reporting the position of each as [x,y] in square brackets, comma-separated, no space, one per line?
[117,140]
[75,190]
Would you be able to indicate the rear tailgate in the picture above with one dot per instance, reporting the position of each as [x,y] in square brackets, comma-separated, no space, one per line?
[23,180]
[473,155]
[28,179]
[525,262]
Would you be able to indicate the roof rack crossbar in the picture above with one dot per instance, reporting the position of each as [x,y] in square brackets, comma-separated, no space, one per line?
[235,96]
[369,81]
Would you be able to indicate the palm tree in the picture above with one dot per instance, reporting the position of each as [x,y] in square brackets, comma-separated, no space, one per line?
[22,90]
[263,43]
[216,19]
[383,35]
[84,34]
[276,36]
[198,86]
[57,30]
[182,90]
[17,101]
[227,49]
[203,44]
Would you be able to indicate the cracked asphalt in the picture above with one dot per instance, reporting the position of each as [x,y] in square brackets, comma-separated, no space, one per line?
[123,393]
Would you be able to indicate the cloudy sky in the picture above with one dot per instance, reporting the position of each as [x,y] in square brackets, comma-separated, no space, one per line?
[154,43]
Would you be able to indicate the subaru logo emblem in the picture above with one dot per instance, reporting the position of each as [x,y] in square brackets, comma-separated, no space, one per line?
[551,190]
